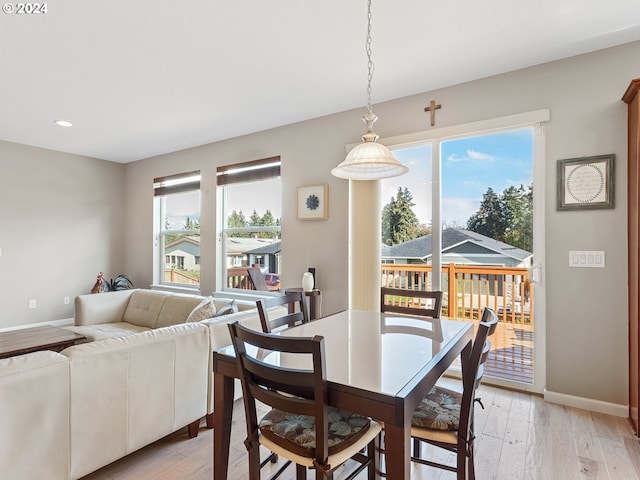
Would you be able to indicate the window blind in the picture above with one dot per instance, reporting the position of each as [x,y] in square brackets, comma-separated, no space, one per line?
[181,182]
[251,171]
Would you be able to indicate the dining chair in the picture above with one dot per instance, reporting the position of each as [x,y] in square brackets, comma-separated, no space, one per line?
[290,299]
[257,279]
[300,426]
[425,303]
[445,418]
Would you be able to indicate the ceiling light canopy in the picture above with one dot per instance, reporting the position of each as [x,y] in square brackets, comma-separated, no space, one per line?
[369,160]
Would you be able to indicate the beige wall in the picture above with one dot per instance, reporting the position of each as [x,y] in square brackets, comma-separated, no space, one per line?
[586,327]
[586,311]
[60,224]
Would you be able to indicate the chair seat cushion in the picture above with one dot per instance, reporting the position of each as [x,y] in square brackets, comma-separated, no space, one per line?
[297,433]
[439,410]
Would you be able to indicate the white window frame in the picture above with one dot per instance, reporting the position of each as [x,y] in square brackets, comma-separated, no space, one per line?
[245,172]
[163,187]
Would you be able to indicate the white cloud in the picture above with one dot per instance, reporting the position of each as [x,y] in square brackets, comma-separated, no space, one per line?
[474,155]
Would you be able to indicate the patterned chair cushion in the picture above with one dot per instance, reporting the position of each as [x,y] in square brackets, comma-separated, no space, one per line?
[297,433]
[439,410]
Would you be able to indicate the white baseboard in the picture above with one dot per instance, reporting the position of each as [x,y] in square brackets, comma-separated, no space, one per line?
[587,404]
[56,323]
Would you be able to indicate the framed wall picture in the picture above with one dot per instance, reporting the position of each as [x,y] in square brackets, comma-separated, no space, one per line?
[313,202]
[586,183]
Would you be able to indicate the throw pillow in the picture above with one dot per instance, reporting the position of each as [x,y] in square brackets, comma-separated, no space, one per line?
[230,307]
[205,309]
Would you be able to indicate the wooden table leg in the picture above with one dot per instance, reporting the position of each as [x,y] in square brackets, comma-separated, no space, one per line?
[223,409]
[397,452]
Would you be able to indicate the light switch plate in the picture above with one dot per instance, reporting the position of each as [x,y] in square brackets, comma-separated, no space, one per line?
[586,258]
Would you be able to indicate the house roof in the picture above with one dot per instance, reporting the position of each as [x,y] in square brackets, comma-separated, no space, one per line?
[270,249]
[421,248]
[250,245]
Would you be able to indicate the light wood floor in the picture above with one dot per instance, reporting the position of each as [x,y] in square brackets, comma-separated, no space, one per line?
[519,436]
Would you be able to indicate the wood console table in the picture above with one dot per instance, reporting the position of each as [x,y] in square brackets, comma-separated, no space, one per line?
[33,339]
[314,302]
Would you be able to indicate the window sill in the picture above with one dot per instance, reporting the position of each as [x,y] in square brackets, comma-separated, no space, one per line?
[176,289]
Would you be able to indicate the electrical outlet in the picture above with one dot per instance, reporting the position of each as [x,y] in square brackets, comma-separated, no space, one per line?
[66,300]
[33,303]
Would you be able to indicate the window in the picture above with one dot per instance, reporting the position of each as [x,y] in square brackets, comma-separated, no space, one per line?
[177,221]
[250,209]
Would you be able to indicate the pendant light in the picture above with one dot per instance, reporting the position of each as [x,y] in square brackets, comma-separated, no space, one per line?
[369,160]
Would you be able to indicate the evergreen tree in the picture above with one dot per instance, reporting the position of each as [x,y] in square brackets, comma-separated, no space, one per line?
[489,220]
[268,220]
[237,220]
[191,224]
[507,218]
[399,222]
[255,220]
[518,209]
[169,237]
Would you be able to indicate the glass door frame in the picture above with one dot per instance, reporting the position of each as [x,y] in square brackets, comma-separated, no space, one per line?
[434,137]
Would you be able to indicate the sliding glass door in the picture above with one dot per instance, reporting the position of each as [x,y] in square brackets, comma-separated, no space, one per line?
[463,220]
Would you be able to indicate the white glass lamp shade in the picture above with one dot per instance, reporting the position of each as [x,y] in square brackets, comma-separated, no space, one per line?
[369,161]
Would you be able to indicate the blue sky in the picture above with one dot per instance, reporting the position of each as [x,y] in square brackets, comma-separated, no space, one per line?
[470,166]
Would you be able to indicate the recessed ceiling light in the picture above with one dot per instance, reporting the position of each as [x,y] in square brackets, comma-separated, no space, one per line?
[63,123]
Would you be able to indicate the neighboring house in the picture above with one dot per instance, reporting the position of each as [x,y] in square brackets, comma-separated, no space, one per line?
[183,254]
[245,252]
[267,257]
[462,247]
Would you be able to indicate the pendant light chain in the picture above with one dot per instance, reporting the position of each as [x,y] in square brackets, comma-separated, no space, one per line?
[370,65]
[369,160]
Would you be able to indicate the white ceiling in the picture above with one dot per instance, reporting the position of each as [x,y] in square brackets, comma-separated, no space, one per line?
[145,77]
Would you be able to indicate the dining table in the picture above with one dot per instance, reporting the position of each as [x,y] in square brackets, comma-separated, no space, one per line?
[377,364]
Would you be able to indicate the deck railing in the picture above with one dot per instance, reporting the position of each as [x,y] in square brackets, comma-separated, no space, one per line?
[469,288]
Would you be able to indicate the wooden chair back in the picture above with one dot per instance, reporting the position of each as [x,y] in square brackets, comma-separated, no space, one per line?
[472,375]
[295,302]
[257,279]
[425,303]
[299,391]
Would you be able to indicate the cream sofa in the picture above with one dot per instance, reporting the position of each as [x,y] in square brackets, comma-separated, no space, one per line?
[67,414]
[127,392]
[128,312]
[125,312]
[34,424]
[144,372]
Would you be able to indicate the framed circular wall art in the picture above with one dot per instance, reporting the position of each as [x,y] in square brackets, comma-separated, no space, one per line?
[313,202]
[586,183]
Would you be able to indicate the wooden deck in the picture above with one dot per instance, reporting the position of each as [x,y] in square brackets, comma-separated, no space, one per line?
[511,356]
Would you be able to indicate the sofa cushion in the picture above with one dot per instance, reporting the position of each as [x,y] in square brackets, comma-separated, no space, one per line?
[106,330]
[205,309]
[144,308]
[176,309]
[230,307]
